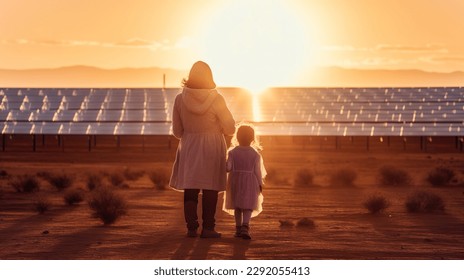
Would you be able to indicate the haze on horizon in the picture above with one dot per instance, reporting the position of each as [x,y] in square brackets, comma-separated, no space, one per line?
[254,43]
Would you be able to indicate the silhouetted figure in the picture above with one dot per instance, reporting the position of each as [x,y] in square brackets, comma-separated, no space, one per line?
[243,197]
[200,119]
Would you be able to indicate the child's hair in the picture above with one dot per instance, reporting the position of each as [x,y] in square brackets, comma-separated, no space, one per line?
[245,136]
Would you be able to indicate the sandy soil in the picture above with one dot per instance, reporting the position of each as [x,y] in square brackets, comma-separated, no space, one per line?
[154,226]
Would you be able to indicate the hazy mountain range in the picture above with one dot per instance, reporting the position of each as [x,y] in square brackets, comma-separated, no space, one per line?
[86,76]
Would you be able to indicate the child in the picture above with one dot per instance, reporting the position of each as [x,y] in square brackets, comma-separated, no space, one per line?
[243,197]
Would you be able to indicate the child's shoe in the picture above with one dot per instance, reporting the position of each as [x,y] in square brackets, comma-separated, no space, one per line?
[244,231]
[238,231]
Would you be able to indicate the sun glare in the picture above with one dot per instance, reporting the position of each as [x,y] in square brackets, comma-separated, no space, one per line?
[257,115]
[255,45]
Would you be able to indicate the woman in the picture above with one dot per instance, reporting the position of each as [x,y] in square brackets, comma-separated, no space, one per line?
[200,119]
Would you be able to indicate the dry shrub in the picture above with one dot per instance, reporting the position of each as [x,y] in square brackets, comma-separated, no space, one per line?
[132,175]
[94,181]
[376,203]
[160,178]
[440,176]
[42,205]
[3,174]
[422,201]
[392,176]
[303,178]
[116,179]
[343,177]
[73,196]
[25,183]
[306,223]
[107,205]
[61,181]
[275,177]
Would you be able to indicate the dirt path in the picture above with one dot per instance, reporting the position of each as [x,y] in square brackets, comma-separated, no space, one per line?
[154,226]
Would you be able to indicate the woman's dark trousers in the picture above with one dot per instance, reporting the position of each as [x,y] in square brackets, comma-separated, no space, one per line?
[209,202]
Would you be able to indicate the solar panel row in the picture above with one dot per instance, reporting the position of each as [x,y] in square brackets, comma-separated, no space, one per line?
[279,111]
[86,128]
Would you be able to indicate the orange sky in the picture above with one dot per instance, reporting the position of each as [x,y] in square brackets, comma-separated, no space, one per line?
[278,39]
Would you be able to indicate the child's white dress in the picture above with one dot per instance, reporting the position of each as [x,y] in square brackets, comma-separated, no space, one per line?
[246,173]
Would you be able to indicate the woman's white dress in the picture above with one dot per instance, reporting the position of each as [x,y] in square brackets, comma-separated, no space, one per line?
[200,119]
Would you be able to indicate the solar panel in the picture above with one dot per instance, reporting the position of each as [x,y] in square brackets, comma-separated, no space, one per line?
[280,111]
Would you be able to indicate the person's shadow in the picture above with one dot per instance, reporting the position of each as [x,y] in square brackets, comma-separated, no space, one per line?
[240,248]
[184,250]
[199,249]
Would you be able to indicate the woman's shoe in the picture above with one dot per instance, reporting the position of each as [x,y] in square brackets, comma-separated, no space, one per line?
[208,233]
[238,231]
[244,232]
[192,233]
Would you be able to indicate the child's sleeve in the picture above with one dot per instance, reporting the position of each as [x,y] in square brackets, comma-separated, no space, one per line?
[259,170]
[263,169]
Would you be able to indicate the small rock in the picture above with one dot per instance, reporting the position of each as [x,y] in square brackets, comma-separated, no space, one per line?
[286,223]
[306,222]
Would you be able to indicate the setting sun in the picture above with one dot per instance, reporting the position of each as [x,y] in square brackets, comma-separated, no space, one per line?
[255,45]
[250,44]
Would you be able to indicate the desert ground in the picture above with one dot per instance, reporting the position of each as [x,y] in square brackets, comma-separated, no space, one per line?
[153,227]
